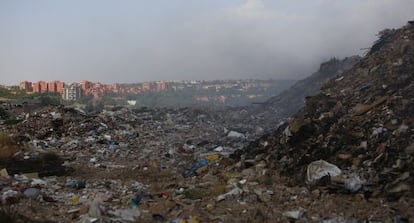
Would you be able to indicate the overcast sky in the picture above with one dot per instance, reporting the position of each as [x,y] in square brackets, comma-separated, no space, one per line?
[138,40]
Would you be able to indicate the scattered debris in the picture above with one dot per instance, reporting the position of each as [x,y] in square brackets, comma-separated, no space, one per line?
[319,169]
[347,156]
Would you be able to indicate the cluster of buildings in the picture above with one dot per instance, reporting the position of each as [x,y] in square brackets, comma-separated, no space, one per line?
[74,91]
[224,88]
[42,86]
[69,92]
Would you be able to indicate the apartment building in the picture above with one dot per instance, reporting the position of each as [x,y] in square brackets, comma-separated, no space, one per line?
[51,87]
[72,92]
[26,85]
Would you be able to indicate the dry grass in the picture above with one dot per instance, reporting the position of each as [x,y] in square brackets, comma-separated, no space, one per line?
[8,147]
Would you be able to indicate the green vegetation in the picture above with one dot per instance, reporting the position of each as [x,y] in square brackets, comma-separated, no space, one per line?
[50,99]
[20,95]
[9,120]
[4,114]
[15,93]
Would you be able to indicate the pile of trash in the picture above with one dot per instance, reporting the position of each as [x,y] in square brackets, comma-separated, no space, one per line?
[346,157]
[119,165]
[292,100]
[357,135]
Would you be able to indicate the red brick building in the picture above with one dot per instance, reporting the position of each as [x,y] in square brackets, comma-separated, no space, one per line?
[43,86]
[36,87]
[26,85]
[51,86]
[59,86]
[86,85]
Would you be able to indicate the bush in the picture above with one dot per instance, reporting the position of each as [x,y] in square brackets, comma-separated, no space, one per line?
[4,114]
[48,100]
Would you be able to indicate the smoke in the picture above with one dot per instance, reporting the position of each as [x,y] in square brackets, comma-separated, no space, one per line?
[253,39]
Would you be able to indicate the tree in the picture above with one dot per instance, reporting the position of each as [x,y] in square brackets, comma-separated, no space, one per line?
[49,100]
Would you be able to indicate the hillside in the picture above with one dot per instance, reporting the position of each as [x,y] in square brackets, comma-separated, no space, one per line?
[362,121]
[292,100]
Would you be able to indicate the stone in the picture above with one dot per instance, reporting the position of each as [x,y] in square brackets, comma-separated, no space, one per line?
[32,193]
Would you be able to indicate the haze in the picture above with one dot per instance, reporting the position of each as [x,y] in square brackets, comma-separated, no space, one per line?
[135,41]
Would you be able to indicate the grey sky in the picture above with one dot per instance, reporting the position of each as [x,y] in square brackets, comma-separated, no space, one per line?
[137,40]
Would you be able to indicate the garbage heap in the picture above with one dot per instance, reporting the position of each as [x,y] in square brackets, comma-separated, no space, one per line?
[121,165]
[347,157]
[362,123]
[290,101]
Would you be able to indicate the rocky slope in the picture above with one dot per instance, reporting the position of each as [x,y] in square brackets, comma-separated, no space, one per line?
[268,115]
[292,100]
[362,121]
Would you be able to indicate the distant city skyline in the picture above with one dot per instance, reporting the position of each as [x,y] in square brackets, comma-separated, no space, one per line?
[140,82]
[89,87]
[95,90]
[136,41]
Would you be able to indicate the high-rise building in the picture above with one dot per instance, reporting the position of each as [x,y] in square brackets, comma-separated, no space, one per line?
[36,87]
[86,85]
[72,92]
[51,86]
[26,85]
[43,87]
[59,86]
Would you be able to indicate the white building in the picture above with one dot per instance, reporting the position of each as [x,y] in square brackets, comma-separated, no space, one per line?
[72,92]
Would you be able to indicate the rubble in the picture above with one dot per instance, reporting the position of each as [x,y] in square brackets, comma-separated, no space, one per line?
[101,160]
[361,123]
[292,100]
[319,169]
[346,157]
[234,192]
[294,214]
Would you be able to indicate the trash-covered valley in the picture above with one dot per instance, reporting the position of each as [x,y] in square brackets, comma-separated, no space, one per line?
[347,156]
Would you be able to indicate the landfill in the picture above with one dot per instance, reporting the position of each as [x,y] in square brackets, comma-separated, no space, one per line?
[355,137]
[347,156]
